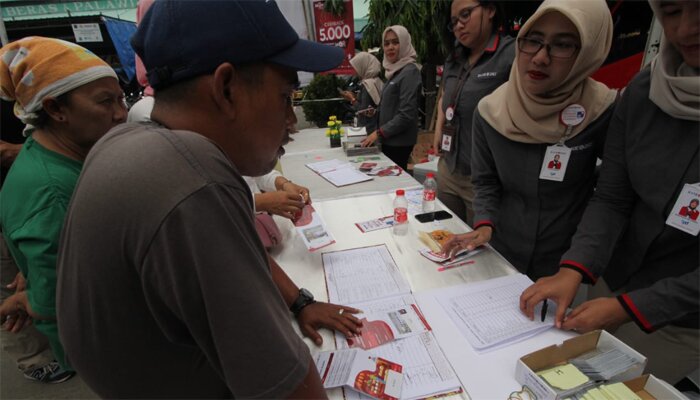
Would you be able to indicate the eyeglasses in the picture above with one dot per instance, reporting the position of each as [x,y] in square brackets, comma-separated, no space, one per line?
[462,17]
[557,50]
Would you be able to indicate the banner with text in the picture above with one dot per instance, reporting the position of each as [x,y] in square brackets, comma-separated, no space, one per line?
[336,31]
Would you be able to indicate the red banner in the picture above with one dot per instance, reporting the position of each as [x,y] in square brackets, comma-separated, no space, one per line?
[336,31]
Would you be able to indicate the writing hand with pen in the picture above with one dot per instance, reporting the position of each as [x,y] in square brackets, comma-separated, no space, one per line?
[601,313]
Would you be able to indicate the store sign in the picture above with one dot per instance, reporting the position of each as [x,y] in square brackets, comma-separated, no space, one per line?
[96,6]
[85,33]
[336,31]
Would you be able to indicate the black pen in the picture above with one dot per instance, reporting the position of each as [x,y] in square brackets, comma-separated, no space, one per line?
[544,309]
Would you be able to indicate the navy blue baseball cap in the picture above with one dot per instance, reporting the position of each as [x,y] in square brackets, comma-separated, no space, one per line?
[181,39]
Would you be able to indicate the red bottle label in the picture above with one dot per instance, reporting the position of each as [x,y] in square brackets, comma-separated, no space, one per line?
[428,195]
[400,215]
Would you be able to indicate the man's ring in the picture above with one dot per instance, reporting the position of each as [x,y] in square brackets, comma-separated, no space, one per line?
[341,311]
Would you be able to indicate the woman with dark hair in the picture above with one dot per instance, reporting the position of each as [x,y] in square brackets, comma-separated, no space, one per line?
[479,64]
[398,108]
[550,110]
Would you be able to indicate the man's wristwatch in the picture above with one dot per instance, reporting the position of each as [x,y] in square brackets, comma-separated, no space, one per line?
[304,299]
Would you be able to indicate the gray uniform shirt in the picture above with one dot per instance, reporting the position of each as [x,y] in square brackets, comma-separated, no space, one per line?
[398,109]
[491,71]
[623,236]
[164,288]
[533,219]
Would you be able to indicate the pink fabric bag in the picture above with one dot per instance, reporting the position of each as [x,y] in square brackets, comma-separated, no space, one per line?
[268,231]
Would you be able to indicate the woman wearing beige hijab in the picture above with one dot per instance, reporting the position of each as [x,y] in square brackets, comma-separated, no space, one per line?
[525,208]
[398,110]
[628,234]
[365,104]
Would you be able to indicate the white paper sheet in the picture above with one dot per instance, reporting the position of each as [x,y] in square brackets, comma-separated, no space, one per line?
[488,314]
[312,230]
[345,176]
[326,165]
[362,274]
[426,371]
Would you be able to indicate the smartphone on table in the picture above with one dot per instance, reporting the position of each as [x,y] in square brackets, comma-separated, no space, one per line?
[433,216]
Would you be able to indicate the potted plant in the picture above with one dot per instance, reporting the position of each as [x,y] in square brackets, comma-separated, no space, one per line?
[334,131]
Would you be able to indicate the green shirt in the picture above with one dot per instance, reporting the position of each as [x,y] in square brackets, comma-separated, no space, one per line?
[33,203]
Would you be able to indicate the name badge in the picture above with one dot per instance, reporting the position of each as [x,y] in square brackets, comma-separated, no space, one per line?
[446,144]
[685,213]
[556,159]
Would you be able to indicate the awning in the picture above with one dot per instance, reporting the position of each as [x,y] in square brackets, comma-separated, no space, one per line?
[121,32]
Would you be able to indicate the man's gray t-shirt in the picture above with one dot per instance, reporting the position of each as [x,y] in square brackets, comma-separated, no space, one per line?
[164,289]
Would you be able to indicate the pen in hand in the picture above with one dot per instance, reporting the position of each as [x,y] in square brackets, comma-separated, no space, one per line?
[544,310]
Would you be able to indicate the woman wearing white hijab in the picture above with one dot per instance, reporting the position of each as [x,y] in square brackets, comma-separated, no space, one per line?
[368,68]
[398,110]
[533,171]
[632,233]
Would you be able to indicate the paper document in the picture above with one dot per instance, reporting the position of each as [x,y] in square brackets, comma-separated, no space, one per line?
[362,274]
[374,376]
[376,224]
[339,173]
[382,327]
[414,198]
[312,229]
[488,312]
[426,371]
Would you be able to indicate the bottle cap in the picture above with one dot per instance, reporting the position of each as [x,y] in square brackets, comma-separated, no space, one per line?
[400,192]
[430,175]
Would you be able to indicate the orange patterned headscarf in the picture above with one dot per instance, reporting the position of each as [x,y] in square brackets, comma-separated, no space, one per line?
[35,68]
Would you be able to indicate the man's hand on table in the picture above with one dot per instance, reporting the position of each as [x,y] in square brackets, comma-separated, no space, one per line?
[325,315]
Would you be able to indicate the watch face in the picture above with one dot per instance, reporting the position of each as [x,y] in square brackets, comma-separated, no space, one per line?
[306,293]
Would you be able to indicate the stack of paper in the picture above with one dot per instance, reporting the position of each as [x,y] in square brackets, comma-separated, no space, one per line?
[602,366]
[462,257]
[488,313]
[369,280]
[616,391]
[355,368]
[565,380]
[339,173]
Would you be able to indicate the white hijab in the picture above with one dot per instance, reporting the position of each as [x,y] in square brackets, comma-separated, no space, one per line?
[407,54]
[675,86]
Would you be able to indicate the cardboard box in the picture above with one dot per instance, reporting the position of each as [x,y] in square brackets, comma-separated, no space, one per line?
[355,149]
[649,387]
[527,366]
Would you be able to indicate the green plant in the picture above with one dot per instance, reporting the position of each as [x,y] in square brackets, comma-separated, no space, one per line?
[323,87]
[336,7]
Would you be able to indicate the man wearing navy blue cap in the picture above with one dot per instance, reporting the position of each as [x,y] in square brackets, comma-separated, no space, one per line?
[164,288]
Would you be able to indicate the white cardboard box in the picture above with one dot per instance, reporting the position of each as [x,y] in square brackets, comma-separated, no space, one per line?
[649,387]
[572,348]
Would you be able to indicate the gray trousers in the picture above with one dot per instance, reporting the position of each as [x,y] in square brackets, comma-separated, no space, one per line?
[671,352]
[456,191]
[29,348]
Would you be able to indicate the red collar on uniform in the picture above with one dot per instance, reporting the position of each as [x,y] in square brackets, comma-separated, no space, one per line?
[494,45]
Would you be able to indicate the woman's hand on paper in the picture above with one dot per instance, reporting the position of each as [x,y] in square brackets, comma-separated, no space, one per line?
[283,203]
[325,315]
[370,139]
[469,241]
[601,313]
[560,287]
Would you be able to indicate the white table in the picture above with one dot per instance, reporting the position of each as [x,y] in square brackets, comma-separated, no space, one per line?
[482,375]
[311,145]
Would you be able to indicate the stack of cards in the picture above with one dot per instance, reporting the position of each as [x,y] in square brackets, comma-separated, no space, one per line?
[602,366]
[463,257]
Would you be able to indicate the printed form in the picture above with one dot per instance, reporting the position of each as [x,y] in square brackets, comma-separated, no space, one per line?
[426,371]
[362,274]
[488,312]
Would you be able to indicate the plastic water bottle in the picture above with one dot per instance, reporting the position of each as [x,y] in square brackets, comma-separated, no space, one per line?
[429,193]
[400,213]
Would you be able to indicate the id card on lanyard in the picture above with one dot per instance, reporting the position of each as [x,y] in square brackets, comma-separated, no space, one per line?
[556,157]
[685,212]
[449,130]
